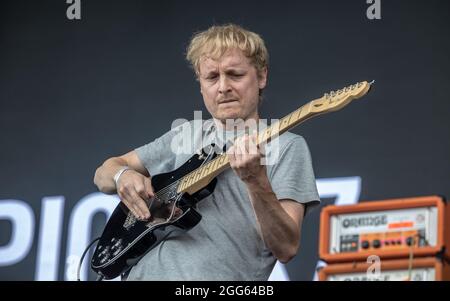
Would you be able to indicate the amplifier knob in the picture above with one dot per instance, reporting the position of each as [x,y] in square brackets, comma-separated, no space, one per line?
[410,241]
[376,243]
[365,244]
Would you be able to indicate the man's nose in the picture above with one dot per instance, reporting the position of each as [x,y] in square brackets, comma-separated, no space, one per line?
[224,85]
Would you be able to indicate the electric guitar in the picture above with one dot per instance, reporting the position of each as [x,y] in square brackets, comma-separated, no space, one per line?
[125,240]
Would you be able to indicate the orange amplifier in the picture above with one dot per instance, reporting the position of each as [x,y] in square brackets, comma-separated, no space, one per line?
[420,269]
[389,229]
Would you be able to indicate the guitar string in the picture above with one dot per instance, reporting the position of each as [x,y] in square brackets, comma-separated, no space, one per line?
[169,188]
[163,193]
[211,130]
[208,162]
[179,195]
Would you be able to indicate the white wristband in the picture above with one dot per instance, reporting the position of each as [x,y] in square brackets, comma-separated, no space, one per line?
[119,173]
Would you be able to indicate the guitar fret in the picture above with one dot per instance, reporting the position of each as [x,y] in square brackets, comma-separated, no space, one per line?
[205,169]
[292,118]
[284,123]
[216,164]
[222,159]
[191,179]
[296,115]
[188,181]
[266,133]
[196,175]
[300,111]
[211,167]
[274,130]
[183,184]
[201,171]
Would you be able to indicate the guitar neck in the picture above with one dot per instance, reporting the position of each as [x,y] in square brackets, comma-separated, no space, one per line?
[201,176]
[333,101]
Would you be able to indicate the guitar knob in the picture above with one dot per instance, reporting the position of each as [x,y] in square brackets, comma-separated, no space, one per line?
[117,244]
[105,250]
[117,251]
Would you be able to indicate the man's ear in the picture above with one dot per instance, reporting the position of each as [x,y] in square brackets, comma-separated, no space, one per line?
[262,78]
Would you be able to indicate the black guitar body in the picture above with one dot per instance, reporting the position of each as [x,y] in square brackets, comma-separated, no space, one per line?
[125,240]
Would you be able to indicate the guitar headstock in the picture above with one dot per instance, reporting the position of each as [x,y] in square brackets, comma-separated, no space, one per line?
[336,100]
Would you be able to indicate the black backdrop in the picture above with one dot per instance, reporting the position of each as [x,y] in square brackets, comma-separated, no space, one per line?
[74,92]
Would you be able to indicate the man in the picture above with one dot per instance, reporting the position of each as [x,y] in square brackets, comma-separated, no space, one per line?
[255,213]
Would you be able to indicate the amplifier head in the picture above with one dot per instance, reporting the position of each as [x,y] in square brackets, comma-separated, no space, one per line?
[389,229]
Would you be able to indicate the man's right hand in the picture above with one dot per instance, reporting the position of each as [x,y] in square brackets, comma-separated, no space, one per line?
[135,190]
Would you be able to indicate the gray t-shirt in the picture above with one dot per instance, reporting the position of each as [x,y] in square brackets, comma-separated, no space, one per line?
[226,244]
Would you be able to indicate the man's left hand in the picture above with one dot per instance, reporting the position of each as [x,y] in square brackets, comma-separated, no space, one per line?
[245,158]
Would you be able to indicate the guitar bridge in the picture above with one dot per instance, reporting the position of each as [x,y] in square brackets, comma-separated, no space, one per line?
[129,221]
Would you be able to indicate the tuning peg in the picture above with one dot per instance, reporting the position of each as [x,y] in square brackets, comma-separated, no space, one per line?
[326,95]
[333,93]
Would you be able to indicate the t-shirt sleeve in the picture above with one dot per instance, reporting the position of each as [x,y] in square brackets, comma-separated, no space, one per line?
[158,156]
[292,177]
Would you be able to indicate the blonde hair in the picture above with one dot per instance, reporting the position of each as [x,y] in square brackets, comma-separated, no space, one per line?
[216,40]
